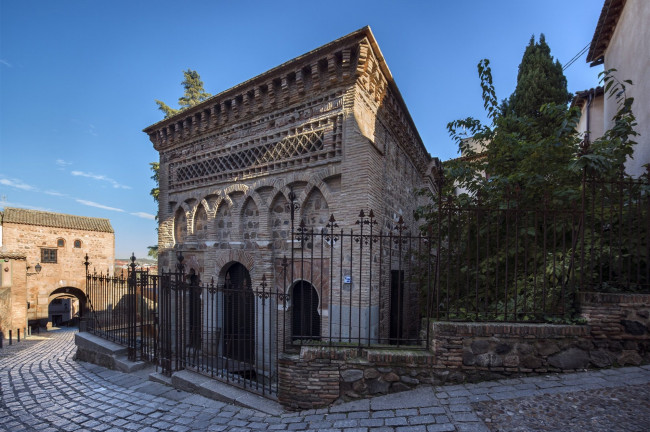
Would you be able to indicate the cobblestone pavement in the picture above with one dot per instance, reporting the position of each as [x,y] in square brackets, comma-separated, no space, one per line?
[43,389]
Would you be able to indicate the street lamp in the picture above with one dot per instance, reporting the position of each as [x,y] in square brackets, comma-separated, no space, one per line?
[37,268]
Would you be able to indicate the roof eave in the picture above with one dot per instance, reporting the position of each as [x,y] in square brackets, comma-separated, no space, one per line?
[258,78]
[609,16]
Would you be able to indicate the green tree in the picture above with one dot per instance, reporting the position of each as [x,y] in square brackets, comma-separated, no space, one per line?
[540,81]
[528,153]
[152,251]
[513,242]
[194,94]
[155,167]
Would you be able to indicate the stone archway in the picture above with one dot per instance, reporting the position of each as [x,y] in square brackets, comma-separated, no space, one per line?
[63,308]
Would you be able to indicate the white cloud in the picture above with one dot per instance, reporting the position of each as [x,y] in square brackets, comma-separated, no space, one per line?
[101,206]
[6,63]
[16,183]
[55,193]
[144,215]
[100,177]
[62,164]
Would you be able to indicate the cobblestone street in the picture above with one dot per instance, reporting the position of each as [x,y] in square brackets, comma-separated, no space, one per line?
[43,389]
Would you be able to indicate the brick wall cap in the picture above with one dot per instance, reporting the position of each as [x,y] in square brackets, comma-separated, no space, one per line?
[603,297]
[491,329]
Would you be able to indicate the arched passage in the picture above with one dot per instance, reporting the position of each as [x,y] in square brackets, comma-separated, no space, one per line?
[306,321]
[65,304]
[239,314]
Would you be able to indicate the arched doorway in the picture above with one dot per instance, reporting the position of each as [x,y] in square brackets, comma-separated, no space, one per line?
[305,319]
[66,306]
[239,314]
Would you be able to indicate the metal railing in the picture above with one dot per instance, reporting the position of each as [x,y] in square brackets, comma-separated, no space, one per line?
[124,310]
[226,331]
[507,263]
[364,287]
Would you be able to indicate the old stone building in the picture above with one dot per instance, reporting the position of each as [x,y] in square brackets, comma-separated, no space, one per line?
[326,133]
[42,256]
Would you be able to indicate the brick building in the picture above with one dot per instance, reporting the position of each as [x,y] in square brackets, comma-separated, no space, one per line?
[42,255]
[328,128]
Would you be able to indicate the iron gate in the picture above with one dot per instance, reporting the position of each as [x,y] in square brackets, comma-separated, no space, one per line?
[123,308]
[227,331]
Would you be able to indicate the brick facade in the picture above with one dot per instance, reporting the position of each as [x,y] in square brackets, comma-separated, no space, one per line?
[329,127]
[27,233]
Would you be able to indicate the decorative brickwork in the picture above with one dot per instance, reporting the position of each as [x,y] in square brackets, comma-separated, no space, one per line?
[325,133]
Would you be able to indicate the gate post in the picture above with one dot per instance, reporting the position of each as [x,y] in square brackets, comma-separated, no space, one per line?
[132,311]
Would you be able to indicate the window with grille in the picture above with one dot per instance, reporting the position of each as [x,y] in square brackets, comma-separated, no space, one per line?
[77,244]
[48,255]
[60,242]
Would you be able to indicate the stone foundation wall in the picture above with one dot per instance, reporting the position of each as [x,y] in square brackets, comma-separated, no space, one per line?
[318,376]
[480,351]
[616,333]
[620,326]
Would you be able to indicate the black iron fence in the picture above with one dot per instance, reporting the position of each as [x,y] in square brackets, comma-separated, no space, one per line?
[502,262]
[355,287]
[362,286]
[123,308]
[223,330]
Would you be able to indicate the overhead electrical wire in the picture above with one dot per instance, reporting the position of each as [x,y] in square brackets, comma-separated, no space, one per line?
[577,56]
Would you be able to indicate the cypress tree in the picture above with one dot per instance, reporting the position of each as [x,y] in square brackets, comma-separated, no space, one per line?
[540,81]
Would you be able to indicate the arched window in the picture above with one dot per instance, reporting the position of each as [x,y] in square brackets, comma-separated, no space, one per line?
[180,226]
[77,244]
[60,243]
[201,223]
[306,319]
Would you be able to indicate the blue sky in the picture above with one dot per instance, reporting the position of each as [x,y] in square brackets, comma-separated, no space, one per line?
[78,79]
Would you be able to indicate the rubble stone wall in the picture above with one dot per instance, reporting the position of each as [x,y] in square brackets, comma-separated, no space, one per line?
[616,333]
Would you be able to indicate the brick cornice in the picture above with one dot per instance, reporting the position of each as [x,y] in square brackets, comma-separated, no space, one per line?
[353,57]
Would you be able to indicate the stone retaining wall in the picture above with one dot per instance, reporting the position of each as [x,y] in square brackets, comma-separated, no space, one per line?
[616,333]
[319,376]
[620,326]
